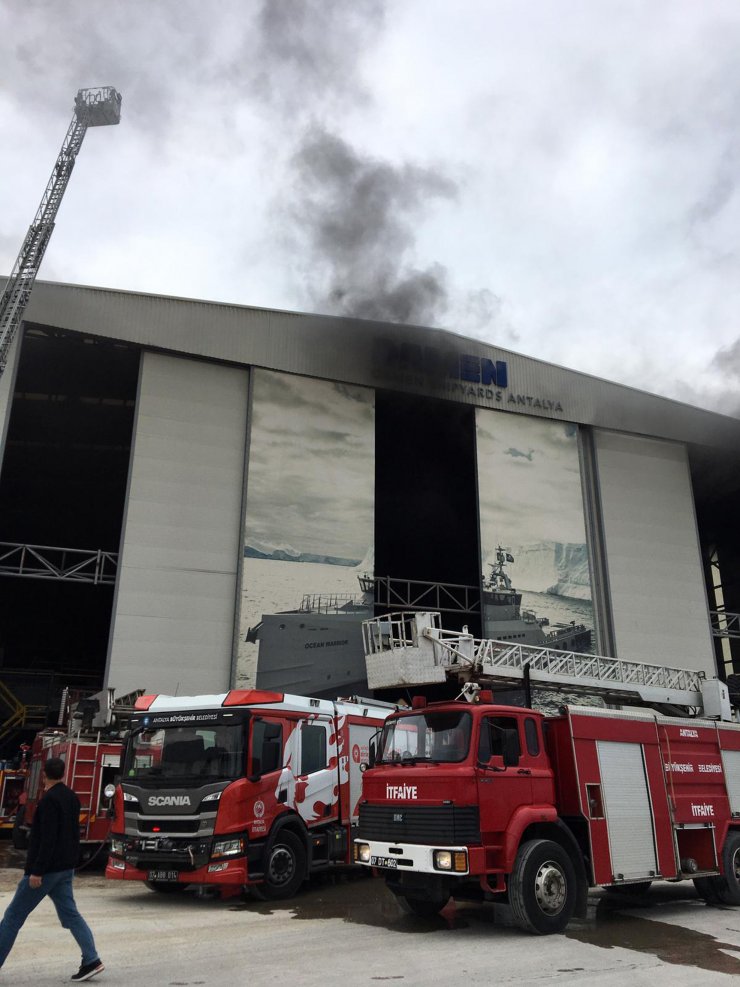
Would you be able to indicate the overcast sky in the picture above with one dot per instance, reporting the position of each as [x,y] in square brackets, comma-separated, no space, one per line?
[558,178]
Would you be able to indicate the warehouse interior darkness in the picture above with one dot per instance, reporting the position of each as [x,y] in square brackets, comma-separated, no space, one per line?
[426,512]
[715,478]
[63,486]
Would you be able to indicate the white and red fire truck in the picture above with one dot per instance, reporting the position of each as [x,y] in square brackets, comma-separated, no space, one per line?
[243,789]
[472,800]
[90,744]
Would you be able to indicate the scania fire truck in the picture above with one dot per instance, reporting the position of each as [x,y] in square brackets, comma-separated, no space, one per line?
[472,800]
[243,789]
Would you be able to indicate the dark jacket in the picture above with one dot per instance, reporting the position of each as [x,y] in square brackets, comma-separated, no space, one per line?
[54,843]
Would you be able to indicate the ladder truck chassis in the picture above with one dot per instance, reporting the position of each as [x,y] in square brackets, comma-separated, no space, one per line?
[472,800]
[245,790]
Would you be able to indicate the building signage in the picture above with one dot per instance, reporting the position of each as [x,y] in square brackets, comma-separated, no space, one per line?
[446,369]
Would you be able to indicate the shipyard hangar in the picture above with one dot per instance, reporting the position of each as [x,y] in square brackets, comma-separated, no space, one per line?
[197,496]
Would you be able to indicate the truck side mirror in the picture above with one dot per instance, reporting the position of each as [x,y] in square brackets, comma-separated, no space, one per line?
[510,748]
[371,755]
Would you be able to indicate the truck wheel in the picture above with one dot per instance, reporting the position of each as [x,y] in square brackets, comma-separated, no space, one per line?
[422,907]
[542,889]
[285,868]
[728,884]
[20,835]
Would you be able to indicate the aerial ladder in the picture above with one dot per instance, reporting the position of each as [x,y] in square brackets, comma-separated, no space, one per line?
[93,108]
[412,649]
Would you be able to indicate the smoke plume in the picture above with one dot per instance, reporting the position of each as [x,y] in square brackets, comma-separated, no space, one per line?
[357,215]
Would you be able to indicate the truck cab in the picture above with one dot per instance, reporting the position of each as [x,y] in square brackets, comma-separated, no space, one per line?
[242,789]
[452,788]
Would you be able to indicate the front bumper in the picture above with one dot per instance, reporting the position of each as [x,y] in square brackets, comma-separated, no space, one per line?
[191,861]
[405,857]
[231,872]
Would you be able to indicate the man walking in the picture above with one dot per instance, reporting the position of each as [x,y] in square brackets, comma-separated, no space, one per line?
[53,852]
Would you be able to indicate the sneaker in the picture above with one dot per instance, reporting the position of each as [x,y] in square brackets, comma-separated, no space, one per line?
[87,971]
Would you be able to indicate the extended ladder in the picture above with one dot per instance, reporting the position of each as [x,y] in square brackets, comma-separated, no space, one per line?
[412,649]
[93,108]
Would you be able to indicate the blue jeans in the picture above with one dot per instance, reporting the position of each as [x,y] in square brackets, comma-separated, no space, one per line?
[58,886]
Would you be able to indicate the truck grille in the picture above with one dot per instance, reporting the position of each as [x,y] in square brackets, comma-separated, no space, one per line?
[169,824]
[447,824]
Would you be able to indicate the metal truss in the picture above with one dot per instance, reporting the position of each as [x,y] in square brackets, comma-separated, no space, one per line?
[725,624]
[69,564]
[413,594]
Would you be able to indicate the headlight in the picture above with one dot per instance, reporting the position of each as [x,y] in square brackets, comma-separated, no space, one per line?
[228,848]
[118,847]
[128,797]
[362,852]
[213,797]
[451,860]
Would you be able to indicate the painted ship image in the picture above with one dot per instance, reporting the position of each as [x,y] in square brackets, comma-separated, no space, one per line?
[317,648]
[505,620]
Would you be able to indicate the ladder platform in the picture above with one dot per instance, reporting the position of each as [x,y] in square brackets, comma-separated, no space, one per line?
[412,649]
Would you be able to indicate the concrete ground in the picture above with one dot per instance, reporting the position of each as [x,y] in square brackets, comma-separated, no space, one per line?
[348,932]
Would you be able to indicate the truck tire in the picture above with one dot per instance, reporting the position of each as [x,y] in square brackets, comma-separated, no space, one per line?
[20,835]
[725,888]
[422,907]
[728,885]
[285,866]
[542,887]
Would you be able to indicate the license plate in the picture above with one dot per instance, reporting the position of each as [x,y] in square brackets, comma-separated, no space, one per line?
[390,862]
[163,875]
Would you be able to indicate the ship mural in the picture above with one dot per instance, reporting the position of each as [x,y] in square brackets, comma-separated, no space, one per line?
[317,647]
[307,569]
[504,618]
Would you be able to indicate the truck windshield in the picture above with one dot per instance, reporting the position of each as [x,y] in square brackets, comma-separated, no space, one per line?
[427,736]
[182,756]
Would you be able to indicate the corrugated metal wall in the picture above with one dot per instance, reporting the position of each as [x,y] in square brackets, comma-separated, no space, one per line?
[656,583]
[173,619]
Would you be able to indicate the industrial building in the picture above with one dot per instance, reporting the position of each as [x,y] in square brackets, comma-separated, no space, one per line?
[197,496]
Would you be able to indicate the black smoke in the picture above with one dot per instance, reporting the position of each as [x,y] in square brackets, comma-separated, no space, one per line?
[357,215]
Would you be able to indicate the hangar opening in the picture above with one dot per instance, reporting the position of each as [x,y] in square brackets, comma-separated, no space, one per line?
[715,477]
[426,512]
[62,493]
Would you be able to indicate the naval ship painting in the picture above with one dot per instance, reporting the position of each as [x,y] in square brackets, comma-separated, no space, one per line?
[505,620]
[316,648]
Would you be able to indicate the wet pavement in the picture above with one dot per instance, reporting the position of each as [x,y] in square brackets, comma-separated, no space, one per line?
[350,930]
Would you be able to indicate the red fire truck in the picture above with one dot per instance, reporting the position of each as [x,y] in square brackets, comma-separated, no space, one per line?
[246,788]
[90,745]
[472,800]
[12,780]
